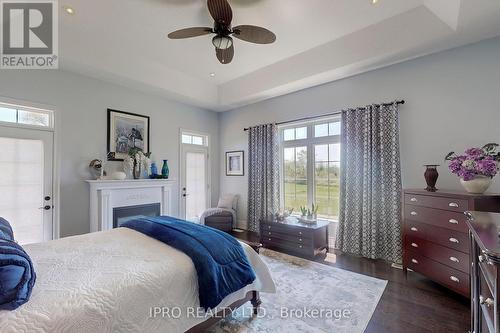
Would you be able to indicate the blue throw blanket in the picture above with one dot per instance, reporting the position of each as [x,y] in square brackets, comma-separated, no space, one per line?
[6,230]
[17,275]
[219,258]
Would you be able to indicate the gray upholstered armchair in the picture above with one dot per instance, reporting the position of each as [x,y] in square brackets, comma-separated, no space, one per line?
[222,217]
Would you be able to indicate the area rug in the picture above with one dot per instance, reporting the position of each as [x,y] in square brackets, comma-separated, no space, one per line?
[311,297]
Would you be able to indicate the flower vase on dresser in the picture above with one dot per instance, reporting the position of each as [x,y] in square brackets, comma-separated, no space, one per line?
[431,176]
[476,167]
[165,171]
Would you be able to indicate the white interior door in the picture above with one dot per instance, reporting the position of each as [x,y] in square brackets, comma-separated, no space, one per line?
[195,185]
[26,172]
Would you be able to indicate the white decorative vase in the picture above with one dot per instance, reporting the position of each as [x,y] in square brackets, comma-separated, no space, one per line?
[118,175]
[478,185]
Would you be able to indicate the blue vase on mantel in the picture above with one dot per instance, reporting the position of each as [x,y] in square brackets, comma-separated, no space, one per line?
[165,171]
[154,169]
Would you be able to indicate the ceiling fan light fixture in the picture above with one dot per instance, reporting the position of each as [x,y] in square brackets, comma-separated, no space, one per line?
[222,42]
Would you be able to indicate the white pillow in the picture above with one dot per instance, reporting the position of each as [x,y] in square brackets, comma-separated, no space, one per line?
[227,201]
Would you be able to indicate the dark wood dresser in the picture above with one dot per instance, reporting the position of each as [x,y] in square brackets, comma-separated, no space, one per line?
[293,237]
[435,239]
[485,271]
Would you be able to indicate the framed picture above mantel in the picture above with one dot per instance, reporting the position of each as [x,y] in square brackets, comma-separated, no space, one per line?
[125,131]
[235,163]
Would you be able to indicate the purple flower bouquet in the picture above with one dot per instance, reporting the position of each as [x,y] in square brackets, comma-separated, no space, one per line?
[479,164]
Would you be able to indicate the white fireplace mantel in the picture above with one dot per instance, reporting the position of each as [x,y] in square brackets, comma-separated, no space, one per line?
[105,195]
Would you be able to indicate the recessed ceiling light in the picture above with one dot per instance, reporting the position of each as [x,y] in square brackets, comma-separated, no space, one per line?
[374,2]
[212,74]
[69,10]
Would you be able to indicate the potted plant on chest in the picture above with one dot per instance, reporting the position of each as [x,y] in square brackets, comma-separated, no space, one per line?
[476,167]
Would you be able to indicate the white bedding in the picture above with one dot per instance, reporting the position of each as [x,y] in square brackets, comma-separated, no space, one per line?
[109,281]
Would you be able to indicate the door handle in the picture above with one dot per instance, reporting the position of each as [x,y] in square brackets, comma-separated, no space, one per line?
[47,198]
[46,207]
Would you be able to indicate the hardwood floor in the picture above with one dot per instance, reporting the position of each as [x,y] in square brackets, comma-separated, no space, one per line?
[415,304]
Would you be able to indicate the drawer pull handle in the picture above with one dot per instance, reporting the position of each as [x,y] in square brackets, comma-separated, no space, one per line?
[269,238]
[300,239]
[453,221]
[300,232]
[414,244]
[454,279]
[413,200]
[300,246]
[269,227]
[413,229]
[269,233]
[413,213]
[415,261]
[453,204]
[454,240]
[454,259]
[486,301]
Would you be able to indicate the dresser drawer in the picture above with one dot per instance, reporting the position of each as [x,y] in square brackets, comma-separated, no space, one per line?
[440,218]
[452,204]
[284,229]
[442,236]
[287,245]
[451,278]
[287,237]
[486,301]
[449,257]
[488,270]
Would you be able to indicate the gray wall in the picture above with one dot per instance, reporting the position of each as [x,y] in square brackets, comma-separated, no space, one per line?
[81,103]
[453,102]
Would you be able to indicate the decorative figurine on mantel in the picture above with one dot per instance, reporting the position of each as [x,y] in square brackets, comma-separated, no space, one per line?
[96,169]
[476,167]
[431,176]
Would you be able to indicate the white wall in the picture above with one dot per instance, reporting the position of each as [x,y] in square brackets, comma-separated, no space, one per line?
[82,105]
[452,103]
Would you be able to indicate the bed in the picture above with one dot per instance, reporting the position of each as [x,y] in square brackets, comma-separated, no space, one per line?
[116,281]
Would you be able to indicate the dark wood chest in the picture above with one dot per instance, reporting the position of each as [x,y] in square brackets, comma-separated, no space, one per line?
[295,238]
[435,234]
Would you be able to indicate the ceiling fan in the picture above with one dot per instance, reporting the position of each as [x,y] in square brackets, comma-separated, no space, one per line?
[224,47]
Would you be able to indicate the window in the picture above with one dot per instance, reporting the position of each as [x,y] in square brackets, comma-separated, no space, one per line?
[25,116]
[193,139]
[327,129]
[326,185]
[295,176]
[311,167]
[297,133]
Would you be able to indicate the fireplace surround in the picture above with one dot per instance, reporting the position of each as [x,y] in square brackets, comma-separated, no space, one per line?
[115,199]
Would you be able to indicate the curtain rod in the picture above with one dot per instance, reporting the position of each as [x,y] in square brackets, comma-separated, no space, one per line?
[331,114]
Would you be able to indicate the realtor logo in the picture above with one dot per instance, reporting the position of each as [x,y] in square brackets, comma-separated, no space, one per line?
[29,34]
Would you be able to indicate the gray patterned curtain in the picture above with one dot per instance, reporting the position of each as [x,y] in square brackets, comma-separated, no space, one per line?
[370,184]
[263,175]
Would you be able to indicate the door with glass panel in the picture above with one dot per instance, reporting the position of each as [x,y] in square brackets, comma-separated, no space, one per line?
[194,176]
[26,182]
